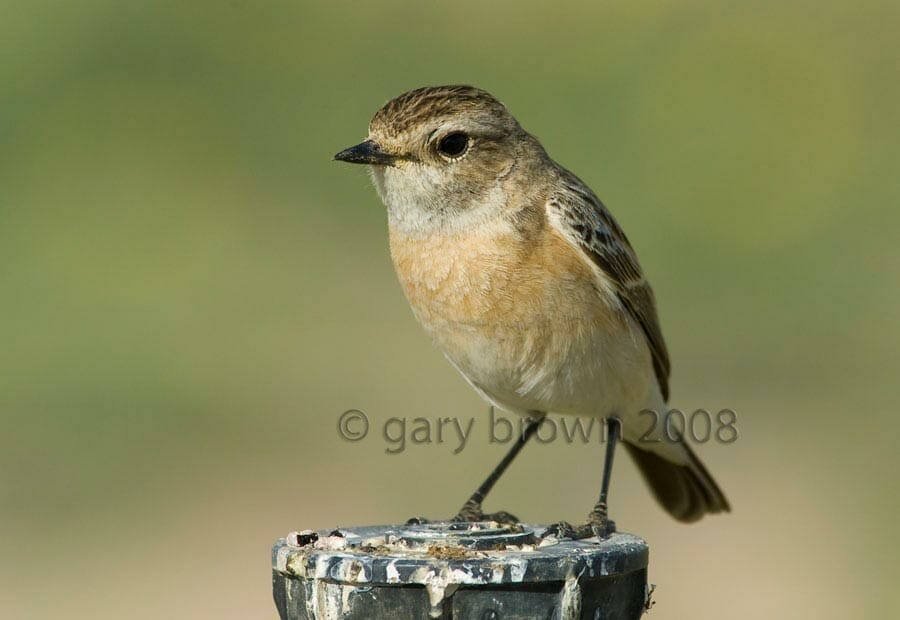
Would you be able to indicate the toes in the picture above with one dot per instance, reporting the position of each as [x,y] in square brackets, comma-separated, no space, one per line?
[501,517]
[467,517]
[471,511]
[566,531]
[602,529]
[561,531]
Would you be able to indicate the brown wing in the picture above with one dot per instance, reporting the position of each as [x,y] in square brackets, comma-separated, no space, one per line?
[588,224]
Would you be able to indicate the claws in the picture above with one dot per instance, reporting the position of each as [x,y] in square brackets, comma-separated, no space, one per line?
[566,531]
[471,513]
[501,516]
[561,531]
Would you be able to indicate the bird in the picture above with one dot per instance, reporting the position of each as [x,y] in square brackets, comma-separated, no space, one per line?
[528,285]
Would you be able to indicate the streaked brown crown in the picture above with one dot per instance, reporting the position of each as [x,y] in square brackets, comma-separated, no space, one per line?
[416,106]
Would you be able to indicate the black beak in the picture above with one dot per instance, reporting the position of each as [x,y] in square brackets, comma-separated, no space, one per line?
[367,152]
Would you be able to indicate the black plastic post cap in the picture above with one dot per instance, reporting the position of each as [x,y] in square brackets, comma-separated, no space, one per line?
[457,571]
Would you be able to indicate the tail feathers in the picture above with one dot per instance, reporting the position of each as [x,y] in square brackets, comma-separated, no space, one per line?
[687,492]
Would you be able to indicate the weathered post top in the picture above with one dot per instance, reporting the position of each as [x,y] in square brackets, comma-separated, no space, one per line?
[457,571]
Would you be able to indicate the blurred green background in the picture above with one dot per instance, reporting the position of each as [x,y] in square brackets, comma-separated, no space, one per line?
[193,292]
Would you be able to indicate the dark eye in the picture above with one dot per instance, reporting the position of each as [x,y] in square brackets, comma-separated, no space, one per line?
[454,144]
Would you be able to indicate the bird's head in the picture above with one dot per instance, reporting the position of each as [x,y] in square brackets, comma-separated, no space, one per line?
[439,155]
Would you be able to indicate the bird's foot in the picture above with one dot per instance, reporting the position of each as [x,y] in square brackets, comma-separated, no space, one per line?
[471,512]
[601,529]
[501,517]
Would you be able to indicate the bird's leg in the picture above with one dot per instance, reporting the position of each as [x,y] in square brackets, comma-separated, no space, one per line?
[599,515]
[471,510]
[598,522]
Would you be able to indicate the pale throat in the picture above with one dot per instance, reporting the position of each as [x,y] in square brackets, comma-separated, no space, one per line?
[418,207]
